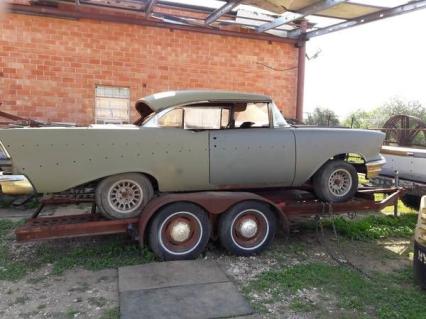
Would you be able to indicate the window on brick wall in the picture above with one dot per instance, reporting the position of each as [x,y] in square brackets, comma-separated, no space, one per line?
[112,105]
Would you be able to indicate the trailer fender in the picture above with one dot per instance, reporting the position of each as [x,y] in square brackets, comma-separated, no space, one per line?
[215,203]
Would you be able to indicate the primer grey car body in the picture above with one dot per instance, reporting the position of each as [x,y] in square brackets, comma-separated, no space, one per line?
[59,158]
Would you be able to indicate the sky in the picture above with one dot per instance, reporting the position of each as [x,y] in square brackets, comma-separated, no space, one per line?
[365,66]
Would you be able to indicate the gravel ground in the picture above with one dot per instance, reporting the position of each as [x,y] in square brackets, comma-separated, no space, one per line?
[80,293]
[77,293]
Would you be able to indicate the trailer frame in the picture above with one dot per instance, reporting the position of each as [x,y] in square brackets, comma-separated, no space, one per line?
[291,205]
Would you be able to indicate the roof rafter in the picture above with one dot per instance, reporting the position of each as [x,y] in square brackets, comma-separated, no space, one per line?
[150,7]
[212,17]
[405,8]
[311,9]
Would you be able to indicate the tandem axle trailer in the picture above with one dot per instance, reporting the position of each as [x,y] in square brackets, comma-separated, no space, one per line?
[179,225]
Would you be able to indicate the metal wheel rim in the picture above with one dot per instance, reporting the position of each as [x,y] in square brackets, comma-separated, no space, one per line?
[125,203]
[340,182]
[187,246]
[256,240]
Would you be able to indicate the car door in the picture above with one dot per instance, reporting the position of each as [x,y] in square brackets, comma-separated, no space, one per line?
[175,153]
[252,155]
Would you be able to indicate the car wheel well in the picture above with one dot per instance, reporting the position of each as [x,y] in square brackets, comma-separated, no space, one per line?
[153,181]
[355,159]
[151,178]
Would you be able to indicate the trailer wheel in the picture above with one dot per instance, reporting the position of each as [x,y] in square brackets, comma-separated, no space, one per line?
[336,181]
[179,231]
[123,195]
[412,201]
[247,228]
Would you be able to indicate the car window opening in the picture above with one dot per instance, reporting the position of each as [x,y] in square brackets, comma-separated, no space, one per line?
[218,116]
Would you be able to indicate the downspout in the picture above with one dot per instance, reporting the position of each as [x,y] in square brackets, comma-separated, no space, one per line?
[301,45]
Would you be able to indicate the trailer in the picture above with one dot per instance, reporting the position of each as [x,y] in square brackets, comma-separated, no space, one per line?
[179,225]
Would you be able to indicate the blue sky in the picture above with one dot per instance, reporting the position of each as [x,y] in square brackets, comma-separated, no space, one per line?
[364,66]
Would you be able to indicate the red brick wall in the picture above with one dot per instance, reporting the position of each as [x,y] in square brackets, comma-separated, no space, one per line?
[49,67]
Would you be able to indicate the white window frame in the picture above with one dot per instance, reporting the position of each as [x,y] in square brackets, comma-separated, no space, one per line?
[119,96]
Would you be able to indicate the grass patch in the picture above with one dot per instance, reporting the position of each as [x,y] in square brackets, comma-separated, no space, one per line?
[6,226]
[371,227]
[9,269]
[71,313]
[300,305]
[113,313]
[97,301]
[111,252]
[100,253]
[384,296]
[375,227]
[402,209]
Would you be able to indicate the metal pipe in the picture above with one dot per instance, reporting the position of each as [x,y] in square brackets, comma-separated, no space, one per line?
[301,72]
[310,9]
[395,205]
[221,11]
[150,8]
[70,14]
[386,13]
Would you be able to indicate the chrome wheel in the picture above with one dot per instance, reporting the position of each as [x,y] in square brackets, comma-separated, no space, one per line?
[180,233]
[125,196]
[249,229]
[340,182]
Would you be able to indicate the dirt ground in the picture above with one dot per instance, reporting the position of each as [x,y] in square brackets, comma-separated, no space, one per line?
[81,293]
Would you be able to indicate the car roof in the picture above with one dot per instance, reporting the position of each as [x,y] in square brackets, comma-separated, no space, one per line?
[159,101]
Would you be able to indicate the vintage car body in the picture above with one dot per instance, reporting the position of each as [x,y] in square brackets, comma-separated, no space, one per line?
[55,159]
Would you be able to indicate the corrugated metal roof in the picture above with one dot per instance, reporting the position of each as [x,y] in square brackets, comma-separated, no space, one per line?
[280,18]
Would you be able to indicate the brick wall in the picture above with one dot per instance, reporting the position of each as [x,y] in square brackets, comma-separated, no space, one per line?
[49,67]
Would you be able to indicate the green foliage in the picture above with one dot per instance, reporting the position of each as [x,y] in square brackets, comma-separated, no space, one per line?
[301,305]
[5,227]
[322,117]
[9,269]
[71,313]
[379,115]
[383,296]
[108,252]
[373,227]
[113,313]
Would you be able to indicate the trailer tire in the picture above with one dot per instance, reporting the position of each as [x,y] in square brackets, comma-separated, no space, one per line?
[179,231]
[336,181]
[123,195]
[412,201]
[247,228]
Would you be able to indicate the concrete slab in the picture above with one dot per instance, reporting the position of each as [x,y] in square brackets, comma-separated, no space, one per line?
[214,300]
[169,274]
[179,289]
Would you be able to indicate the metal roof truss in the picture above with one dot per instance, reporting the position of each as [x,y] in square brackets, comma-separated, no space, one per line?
[288,19]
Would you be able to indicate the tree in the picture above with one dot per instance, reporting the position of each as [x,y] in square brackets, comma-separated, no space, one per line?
[322,117]
[379,115]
